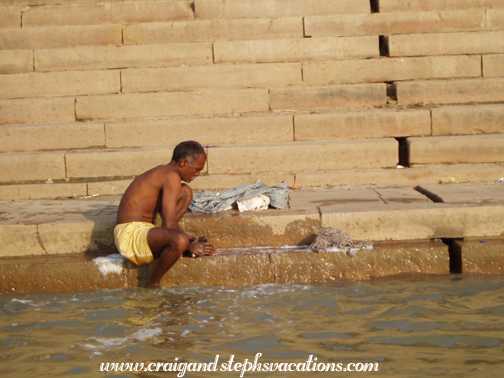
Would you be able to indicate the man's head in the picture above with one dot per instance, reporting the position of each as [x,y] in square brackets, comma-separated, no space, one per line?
[190,158]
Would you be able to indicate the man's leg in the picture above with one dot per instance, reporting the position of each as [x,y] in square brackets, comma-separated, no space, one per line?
[166,245]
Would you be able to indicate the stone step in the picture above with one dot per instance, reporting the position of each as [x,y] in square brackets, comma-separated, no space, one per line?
[59,36]
[105,13]
[485,42]
[214,9]
[395,23]
[234,267]
[211,77]
[409,177]
[475,149]
[54,227]
[16,61]
[288,50]
[396,69]
[495,19]
[37,110]
[131,56]
[254,128]
[436,5]
[213,30]
[450,91]
[10,17]
[493,65]
[463,120]
[266,158]
[55,2]
[56,84]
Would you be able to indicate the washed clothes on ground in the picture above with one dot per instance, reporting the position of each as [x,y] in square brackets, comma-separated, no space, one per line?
[131,241]
[208,202]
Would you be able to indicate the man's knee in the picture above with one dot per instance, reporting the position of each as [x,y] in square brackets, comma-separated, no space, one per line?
[180,242]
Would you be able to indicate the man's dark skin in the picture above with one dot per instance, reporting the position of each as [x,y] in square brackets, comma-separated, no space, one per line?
[160,190]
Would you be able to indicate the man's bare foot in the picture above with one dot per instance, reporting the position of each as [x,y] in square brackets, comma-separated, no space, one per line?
[153,285]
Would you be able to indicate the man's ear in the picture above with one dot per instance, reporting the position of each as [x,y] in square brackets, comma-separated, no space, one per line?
[183,162]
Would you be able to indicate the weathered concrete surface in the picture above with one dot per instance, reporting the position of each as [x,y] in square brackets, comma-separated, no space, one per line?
[481,255]
[210,9]
[114,13]
[213,30]
[395,23]
[491,193]
[56,273]
[404,217]
[464,120]
[470,149]
[408,177]
[393,69]
[231,267]
[233,229]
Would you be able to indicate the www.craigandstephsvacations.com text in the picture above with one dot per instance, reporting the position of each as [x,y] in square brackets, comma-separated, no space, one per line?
[310,365]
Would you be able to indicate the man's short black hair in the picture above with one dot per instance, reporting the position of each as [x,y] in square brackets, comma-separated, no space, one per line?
[190,150]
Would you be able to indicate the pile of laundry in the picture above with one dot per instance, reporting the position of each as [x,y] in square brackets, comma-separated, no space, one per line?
[252,197]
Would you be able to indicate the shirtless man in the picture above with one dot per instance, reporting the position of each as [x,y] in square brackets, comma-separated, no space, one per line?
[160,190]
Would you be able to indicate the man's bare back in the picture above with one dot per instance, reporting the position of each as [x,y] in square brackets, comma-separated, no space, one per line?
[160,190]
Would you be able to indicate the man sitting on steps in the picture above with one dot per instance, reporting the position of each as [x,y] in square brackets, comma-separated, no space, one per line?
[160,190]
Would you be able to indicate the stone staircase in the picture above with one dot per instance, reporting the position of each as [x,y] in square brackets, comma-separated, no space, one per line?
[313,92]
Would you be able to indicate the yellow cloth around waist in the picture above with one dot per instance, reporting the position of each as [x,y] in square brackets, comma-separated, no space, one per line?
[131,241]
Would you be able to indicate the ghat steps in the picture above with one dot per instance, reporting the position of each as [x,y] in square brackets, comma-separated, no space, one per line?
[325,92]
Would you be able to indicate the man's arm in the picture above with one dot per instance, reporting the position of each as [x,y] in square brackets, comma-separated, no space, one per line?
[171,191]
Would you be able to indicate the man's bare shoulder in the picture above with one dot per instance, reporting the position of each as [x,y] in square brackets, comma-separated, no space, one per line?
[164,174]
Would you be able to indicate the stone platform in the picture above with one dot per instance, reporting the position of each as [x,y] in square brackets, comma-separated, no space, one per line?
[49,245]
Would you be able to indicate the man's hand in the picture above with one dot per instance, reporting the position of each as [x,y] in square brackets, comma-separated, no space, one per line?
[201,248]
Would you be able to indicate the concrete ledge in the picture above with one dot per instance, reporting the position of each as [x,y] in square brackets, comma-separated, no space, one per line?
[233,267]
[481,255]
[421,221]
[62,273]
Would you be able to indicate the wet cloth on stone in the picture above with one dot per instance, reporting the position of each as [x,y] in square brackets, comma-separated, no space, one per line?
[332,237]
[208,202]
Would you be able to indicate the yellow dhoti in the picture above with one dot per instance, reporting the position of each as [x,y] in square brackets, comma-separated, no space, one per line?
[131,241]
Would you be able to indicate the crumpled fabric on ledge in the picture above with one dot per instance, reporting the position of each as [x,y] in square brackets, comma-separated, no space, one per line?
[208,202]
